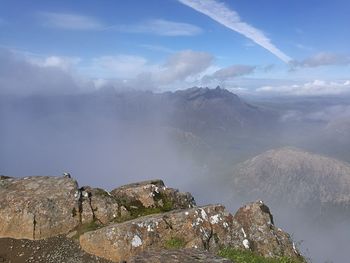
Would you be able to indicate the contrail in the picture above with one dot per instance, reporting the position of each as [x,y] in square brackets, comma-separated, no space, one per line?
[230,18]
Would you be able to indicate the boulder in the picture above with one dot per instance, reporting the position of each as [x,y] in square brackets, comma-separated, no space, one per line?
[152,194]
[37,207]
[209,227]
[99,205]
[262,235]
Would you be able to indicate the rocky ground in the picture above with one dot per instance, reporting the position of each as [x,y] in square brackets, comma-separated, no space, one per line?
[52,250]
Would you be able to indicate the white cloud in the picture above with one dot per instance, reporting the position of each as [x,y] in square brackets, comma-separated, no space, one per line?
[19,75]
[119,66]
[324,59]
[64,63]
[232,72]
[162,27]
[182,65]
[71,21]
[230,18]
[314,88]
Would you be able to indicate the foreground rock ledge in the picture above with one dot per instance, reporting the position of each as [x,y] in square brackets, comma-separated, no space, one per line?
[134,220]
[207,228]
[39,207]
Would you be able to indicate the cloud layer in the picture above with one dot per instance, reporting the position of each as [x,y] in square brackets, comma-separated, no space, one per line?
[230,18]
[313,88]
[21,77]
[324,59]
[232,72]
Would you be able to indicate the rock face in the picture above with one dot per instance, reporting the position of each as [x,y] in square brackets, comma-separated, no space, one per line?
[207,228]
[43,206]
[264,238]
[37,207]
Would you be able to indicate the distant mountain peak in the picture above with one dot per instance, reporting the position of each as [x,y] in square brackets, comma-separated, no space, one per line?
[207,93]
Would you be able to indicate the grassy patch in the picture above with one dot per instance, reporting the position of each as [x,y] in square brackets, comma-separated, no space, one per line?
[136,208]
[175,243]
[245,256]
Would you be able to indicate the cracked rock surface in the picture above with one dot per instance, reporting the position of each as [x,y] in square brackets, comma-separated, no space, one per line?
[37,207]
[207,228]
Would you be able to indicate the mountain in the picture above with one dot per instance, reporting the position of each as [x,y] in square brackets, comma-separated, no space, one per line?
[198,109]
[295,177]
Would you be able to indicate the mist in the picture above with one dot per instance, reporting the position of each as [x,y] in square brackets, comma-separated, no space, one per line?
[53,122]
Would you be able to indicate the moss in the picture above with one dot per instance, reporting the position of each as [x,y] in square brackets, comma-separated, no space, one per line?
[168,204]
[83,228]
[101,192]
[245,256]
[136,208]
[175,243]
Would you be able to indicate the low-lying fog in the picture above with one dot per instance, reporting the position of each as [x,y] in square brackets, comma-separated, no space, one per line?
[106,139]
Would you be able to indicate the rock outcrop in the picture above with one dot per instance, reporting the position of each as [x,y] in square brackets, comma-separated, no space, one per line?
[44,206]
[261,233]
[132,222]
[152,194]
[37,207]
[207,228]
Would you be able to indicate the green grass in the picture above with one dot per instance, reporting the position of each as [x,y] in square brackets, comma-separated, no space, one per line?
[175,243]
[241,256]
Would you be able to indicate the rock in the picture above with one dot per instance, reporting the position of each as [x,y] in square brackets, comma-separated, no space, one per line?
[261,234]
[209,227]
[100,205]
[37,207]
[152,194]
[178,256]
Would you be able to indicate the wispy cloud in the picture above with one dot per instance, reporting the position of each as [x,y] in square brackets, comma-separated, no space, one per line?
[157,48]
[230,72]
[230,18]
[313,88]
[324,59]
[71,21]
[161,27]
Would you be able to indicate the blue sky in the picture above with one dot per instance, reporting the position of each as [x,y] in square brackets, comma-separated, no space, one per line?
[170,44]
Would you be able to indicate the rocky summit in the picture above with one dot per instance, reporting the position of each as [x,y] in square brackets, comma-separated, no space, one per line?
[140,222]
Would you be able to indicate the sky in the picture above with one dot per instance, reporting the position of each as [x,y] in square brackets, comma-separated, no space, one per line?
[263,47]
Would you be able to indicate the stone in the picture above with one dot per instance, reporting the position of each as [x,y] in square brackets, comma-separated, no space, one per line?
[100,205]
[261,234]
[152,194]
[209,227]
[37,207]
